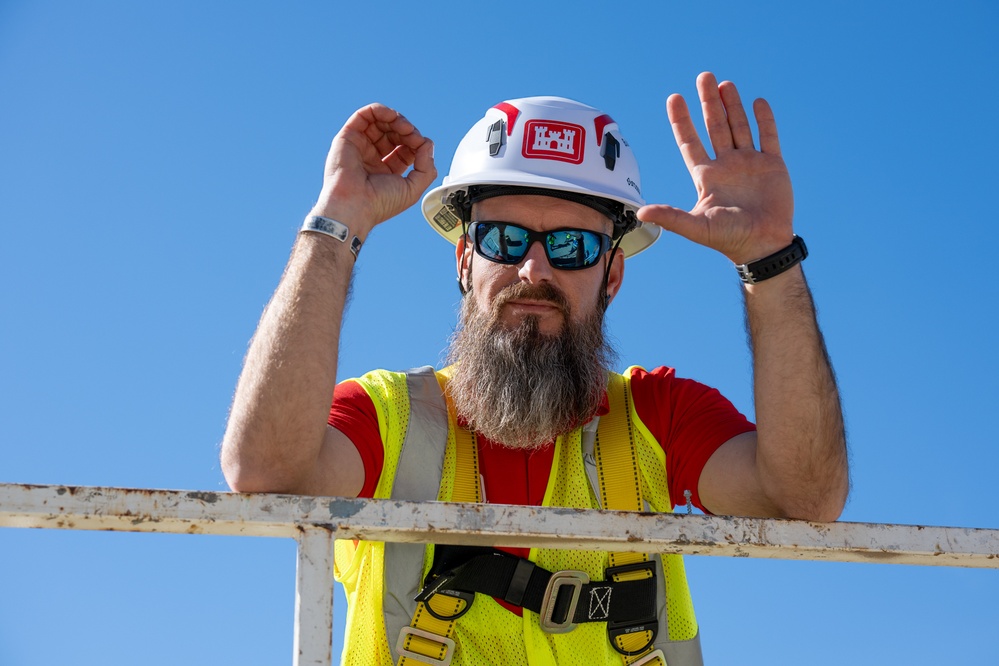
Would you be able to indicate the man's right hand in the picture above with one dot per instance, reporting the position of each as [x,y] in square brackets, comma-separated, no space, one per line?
[364,183]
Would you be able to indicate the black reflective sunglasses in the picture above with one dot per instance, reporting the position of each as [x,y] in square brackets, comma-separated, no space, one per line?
[567,249]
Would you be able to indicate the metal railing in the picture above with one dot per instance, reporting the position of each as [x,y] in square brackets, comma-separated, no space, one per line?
[314,522]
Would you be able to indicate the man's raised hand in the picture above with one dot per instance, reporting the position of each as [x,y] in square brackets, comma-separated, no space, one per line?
[745,206]
[364,183]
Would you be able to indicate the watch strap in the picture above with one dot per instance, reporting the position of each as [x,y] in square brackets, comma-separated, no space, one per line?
[775,264]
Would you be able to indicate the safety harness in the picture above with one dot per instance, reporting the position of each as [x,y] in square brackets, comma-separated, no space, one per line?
[625,599]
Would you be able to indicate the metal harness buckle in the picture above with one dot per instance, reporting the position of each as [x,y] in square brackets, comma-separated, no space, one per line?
[560,579]
[400,647]
[437,586]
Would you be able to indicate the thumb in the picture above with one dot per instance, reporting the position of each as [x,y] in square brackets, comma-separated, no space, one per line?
[675,220]
[423,172]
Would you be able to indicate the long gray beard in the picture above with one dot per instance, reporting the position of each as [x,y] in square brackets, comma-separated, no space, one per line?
[521,388]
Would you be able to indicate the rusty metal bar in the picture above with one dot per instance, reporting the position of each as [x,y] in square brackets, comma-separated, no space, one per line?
[314,598]
[121,509]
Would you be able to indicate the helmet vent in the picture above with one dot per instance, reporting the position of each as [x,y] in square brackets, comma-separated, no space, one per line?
[611,150]
[496,137]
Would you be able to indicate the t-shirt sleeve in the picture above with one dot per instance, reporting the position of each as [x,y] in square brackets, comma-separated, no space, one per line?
[353,413]
[689,420]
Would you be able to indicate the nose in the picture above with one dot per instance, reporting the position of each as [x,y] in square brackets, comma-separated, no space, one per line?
[535,267]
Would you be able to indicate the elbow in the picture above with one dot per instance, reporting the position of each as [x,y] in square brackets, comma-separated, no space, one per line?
[246,473]
[819,506]
[239,476]
[828,513]
[817,492]
[239,481]
[246,479]
[836,493]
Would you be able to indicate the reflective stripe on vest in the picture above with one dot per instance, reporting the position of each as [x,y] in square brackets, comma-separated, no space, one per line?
[420,468]
[421,464]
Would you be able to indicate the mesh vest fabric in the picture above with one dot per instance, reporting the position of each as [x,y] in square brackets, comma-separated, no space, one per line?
[488,633]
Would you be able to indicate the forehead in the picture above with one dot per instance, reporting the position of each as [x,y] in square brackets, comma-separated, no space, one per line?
[541,212]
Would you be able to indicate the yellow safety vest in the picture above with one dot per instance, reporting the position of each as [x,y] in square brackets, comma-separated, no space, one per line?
[381,580]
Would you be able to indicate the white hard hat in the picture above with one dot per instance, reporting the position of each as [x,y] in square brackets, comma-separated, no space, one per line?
[544,145]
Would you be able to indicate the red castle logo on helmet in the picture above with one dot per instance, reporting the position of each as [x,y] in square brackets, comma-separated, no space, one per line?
[554,140]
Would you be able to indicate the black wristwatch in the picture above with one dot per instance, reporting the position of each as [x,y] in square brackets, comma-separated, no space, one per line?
[775,264]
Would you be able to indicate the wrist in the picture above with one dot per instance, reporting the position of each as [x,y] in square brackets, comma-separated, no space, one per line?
[772,265]
[346,211]
[327,226]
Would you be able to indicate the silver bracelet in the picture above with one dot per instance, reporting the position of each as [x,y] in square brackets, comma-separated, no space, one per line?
[337,230]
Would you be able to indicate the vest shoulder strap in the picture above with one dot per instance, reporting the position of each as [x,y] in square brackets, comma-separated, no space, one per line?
[422,455]
[420,466]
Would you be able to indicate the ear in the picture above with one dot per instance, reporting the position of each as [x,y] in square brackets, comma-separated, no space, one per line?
[463,260]
[615,276]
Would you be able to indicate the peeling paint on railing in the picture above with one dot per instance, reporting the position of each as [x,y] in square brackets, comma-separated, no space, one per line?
[315,521]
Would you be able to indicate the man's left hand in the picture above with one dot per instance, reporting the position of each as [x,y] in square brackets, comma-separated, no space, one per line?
[745,206]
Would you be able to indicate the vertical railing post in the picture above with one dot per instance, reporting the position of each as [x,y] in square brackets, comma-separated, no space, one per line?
[314,597]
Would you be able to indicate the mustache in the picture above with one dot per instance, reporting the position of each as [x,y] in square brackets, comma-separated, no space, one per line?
[543,291]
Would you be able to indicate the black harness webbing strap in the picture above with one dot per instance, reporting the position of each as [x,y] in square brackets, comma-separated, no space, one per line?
[508,577]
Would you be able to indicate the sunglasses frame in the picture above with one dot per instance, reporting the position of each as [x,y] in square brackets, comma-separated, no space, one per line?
[537,236]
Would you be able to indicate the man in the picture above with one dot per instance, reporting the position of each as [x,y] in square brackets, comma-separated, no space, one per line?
[543,203]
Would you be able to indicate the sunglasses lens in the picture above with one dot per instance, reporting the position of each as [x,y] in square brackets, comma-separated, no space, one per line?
[573,248]
[502,243]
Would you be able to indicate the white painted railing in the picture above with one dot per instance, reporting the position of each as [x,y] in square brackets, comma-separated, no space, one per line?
[316,521]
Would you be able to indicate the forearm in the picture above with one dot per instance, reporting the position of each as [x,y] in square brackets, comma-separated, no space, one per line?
[801,452]
[279,414]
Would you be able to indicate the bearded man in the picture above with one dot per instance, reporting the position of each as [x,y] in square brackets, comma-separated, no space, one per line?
[543,203]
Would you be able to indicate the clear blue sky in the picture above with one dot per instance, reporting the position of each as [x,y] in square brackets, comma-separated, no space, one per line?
[157,158]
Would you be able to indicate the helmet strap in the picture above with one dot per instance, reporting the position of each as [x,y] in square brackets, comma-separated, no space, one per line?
[604,296]
[464,234]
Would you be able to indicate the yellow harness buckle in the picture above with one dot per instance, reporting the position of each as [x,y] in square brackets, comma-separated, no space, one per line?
[650,659]
[410,636]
